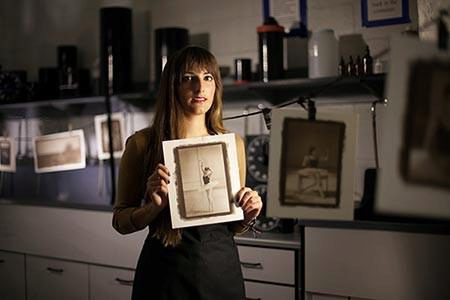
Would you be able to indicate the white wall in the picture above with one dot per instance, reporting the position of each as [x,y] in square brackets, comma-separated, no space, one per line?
[31,30]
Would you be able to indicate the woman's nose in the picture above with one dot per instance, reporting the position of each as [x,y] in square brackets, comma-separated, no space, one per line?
[197,85]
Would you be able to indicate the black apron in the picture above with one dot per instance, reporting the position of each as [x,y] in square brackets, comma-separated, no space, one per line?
[205,265]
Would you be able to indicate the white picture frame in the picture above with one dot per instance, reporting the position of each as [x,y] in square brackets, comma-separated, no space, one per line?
[61,151]
[7,154]
[396,194]
[311,165]
[204,180]
[102,137]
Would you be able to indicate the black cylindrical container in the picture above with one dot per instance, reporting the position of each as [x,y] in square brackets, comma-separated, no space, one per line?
[242,70]
[167,41]
[270,50]
[48,85]
[115,48]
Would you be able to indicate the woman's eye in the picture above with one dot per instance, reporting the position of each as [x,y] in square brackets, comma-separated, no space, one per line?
[209,78]
[188,78]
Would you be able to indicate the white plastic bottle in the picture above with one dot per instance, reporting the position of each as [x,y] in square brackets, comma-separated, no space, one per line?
[323,54]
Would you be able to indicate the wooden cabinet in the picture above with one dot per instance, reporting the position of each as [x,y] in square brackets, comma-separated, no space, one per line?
[12,276]
[110,283]
[49,279]
[269,273]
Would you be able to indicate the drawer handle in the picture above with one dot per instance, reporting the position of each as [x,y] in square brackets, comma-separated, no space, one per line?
[252,265]
[54,270]
[124,281]
[247,298]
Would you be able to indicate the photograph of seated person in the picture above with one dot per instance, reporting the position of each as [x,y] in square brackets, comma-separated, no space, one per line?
[199,262]
[310,168]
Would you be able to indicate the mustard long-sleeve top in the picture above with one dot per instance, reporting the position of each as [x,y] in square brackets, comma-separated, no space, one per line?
[131,211]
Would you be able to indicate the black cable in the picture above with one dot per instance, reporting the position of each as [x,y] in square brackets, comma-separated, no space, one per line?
[374,133]
[297,100]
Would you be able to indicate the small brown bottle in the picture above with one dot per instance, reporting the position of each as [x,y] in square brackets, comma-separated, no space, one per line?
[367,63]
[342,68]
[350,66]
[358,66]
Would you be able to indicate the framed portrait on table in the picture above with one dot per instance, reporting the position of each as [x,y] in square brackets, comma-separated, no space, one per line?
[204,180]
[414,176]
[311,165]
[376,13]
[7,154]
[61,151]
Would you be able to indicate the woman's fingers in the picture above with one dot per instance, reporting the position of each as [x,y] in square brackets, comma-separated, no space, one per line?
[157,185]
[250,203]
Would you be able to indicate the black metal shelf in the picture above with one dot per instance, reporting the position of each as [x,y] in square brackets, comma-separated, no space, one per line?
[345,89]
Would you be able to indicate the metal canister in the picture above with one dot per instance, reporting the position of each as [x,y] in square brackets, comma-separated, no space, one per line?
[270,50]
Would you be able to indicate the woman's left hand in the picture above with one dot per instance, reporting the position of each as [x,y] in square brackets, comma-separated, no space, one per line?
[250,202]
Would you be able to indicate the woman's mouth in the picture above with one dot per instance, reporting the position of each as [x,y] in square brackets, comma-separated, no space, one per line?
[199,99]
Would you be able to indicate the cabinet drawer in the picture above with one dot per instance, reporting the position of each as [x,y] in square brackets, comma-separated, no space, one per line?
[12,276]
[265,291]
[56,279]
[110,283]
[266,264]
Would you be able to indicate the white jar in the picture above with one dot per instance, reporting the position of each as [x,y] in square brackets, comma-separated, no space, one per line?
[323,54]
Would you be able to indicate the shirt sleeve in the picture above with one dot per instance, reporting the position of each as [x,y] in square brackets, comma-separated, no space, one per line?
[130,185]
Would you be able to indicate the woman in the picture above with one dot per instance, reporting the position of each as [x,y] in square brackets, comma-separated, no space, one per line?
[196,262]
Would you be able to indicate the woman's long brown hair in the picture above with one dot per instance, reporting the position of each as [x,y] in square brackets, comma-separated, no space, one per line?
[168,121]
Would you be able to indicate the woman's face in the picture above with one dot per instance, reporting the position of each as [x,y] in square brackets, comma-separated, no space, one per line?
[196,91]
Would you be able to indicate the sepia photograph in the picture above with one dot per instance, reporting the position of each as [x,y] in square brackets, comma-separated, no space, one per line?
[311,165]
[204,175]
[118,135]
[311,161]
[415,168]
[426,138]
[206,180]
[60,151]
[7,154]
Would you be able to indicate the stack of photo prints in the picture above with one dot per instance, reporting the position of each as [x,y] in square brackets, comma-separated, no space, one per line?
[65,151]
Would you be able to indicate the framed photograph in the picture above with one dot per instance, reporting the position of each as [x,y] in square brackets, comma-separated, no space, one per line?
[205,180]
[118,135]
[376,13]
[426,136]
[59,152]
[7,154]
[288,13]
[414,178]
[311,165]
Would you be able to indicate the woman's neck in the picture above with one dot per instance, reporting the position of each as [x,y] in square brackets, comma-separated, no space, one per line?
[194,126]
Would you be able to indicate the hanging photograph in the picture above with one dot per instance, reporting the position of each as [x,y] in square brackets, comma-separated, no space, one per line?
[118,135]
[414,172]
[311,165]
[59,152]
[7,154]
[426,138]
[206,180]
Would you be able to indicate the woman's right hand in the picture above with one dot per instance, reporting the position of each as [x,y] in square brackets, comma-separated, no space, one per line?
[157,188]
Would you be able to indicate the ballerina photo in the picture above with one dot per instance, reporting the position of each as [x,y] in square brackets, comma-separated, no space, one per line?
[204,187]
